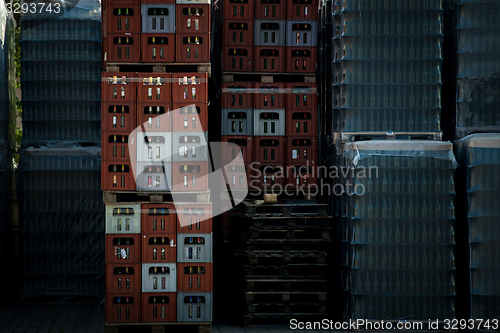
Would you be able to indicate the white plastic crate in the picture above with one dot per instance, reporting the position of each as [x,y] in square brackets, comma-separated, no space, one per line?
[193,306]
[194,247]
[159,278]
[124,218]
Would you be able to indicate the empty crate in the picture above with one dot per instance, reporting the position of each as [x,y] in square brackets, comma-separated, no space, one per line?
[153,176]
[123,218]
[193,47]
[194,248]
[157,47]
[194,277]
[118,115]
[237,122]
[123,18]
[269,33]
[269,149]
[269,96]
[239,9]
[159,278]
[270,9]
[190,117]
[123,48]
[191,18]
[238,33]
[301,33]
[123,278]
[237,95]
[118,87]
[269,122]
[117,176]
[159,218]
[194,218]
[191,88]
[189,176]
[301,123]
[123,308]
[269,59]
[158,248]
[246,148]
[158,18]
[238,59]
[189,146]
[123,248]
[159,307]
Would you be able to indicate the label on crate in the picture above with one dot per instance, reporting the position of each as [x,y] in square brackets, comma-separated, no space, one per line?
[294,154]
[123,252]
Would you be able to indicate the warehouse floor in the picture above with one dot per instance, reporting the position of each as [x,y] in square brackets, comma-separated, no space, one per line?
[83,318]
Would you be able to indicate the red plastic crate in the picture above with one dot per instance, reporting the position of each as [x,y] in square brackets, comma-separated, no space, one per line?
[158,2]
[198,218]
[301,176]
[194,276]
[115,146]
[159,307]
[301,59]
[189,176]
[246,146]
[238,175]
[237,59]
[123,278]
[123,248]
[158,218]
[157,47]
[123,48]
[192,47]
[269,59]
[192,18]
[269,149]
[301,96]
[238,33]
[302,149]
[118,87]
[154,88]
[188,117]
[302,10]
[189,88]
[117,176]
[268,175]
[122,18]
[301,122]
[118,116]
[239,9]
[155,117]
[237,95]
[123,307]
[159,248]
[269,96]
[270,9]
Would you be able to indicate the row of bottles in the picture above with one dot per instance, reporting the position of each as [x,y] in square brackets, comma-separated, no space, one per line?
[478,40]
[61,91]
[65,30]
[388,5]
[479,65]
[406,159]
[71,51]
[66,130]
[476,14]
[485,281]
[61,70]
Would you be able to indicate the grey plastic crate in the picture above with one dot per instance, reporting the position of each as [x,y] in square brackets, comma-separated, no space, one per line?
[189,146]
[153,176]
[154,147]
[269,122]
[237,121]
[269,33]
[191,249]
[124,218]
[192,2]
[159,278]
[158,18]
[301,33]
[193,306]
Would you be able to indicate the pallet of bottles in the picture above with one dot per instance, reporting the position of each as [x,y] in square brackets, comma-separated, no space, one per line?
[202,327]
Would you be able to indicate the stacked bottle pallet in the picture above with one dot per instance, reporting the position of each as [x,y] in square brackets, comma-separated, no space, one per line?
[398,230]
[387,62]
[479,156]
[158,263]
[149,31]
[279,271]
[478,54]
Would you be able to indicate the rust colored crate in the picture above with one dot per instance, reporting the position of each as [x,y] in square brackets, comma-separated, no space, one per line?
[123,48]
[237,59]
[246,147]
[301,96]
[123,278]
[115,146]
[123,18]
[238,33]
[301,122]
[268,176]
[154,88]
[159,218]
[123,248]
[301,176]
[302,149]
[269,149]
[194,218]
[237,95]
[123,307]
[154,117]
[269,96]
[188,117]
[118,87]
[189,88]
[189,176]
[269,59]
[159,248]
[159,307]
[117,176]
[192,18]
[157,47]
[192,47]
[302,10]
[194,276]
[301,59]
[270,9]
[118,116]
[239,9]
[238,175]
[119,2]
[158,2]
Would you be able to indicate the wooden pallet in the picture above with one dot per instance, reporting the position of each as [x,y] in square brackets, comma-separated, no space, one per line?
[160,67]
[345,137]
[283,284]
[267,77]
[201,327]
[288,235]
[282,246]
[283,222]
[284,210]
[155,197]
[280,258]
[292,271]
[271,319]
[304,194]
